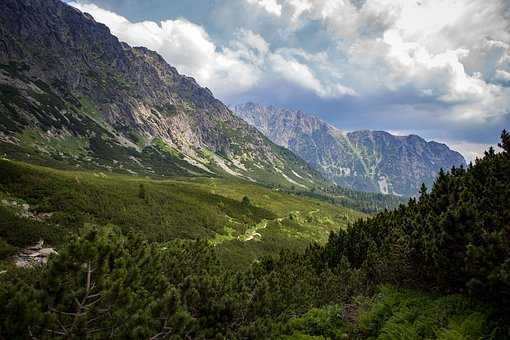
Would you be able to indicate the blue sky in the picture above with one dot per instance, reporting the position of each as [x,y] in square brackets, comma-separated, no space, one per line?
[436,68]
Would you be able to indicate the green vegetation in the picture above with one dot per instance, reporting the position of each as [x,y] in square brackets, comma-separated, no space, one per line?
[89,108]
[161,145]
[453,238]
[69,145]
[367,202]
[405,314]
[18,231]
[434,269]
[6,249]
[213,209]
[103,284]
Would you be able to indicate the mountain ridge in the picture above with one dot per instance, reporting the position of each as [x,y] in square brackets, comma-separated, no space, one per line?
[366,160]
[72,92]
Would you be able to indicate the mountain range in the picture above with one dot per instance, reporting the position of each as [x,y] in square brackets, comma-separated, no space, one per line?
[72,93]
[374,161]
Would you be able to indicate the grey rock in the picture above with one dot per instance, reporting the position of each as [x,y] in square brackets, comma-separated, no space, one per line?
[374,161]
[65,76]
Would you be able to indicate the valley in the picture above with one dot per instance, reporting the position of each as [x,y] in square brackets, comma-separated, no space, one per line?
[134,204]
[213,209]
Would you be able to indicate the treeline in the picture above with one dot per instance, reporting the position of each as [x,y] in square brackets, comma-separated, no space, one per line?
[367,202]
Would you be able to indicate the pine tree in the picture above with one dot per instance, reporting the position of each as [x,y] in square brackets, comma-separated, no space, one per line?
[505,141]
[141,192]
[246,201]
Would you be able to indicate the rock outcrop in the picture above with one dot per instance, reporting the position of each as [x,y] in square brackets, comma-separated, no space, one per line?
[34,255]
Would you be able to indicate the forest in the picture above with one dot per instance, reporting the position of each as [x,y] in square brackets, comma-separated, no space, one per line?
[437,267]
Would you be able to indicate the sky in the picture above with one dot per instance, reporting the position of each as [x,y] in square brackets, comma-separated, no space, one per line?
[436,68]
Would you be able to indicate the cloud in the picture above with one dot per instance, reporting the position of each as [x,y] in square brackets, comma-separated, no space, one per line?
[271,6]
[452,54]
[455,52]
[472,151]
[343,18]
[298,73]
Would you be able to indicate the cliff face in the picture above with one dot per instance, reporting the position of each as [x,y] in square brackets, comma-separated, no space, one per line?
[71,91]
[362,160]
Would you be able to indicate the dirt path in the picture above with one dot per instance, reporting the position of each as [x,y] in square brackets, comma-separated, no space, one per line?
[253,232]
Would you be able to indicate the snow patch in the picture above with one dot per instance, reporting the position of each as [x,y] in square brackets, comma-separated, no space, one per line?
[383,185]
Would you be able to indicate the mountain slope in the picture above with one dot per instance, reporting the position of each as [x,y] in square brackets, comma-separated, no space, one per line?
[72,93]
[243,221]
[446,256]
[363,160]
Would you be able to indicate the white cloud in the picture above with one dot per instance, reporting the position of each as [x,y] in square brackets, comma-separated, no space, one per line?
[455,52]
[271,6]
[342,17]
[298,7]
[444,72]
[299,73]
[471,151]
[252,40]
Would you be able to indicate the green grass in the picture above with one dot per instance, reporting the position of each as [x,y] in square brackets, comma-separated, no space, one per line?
[178,208]
[89,108]
[32,139]
[163,146]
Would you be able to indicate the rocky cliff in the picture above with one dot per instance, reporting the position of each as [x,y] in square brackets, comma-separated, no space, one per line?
[70,92]
[363,160]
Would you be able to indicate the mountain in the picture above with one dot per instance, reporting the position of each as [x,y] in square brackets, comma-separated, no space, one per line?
[72,94]
[363,160]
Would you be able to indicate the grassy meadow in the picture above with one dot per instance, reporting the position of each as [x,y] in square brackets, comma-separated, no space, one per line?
[243,221]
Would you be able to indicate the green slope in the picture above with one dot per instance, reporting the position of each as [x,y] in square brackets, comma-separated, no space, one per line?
[180,208]
[373,280]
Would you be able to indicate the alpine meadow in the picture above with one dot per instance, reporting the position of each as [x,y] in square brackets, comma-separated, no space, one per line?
[255,169]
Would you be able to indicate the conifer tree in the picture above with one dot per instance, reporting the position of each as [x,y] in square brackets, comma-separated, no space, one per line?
[505,141]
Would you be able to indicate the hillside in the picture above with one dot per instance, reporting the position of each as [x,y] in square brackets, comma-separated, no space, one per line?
[434,269]
[73,94]
[374,161]
[264,223]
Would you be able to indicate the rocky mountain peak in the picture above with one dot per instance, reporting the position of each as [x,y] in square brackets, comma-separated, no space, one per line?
[363,160]
[66,80]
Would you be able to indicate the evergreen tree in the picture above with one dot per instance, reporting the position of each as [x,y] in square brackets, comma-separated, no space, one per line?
[141,192]
[505,141]
[246,202]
